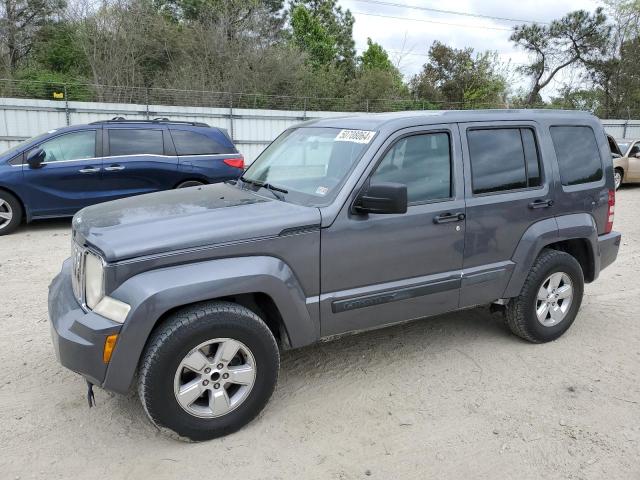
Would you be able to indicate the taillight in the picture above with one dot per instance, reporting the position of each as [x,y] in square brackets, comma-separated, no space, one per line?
[235,162]
[611,212]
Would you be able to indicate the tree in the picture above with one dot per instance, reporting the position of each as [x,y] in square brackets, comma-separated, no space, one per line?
[460,77]
[20,21]
[574,40]
[323,30]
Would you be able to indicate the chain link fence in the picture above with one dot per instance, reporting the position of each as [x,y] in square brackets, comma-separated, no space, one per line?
[203,98]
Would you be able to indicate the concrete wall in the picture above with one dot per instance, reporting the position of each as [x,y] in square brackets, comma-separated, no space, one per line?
[252,130]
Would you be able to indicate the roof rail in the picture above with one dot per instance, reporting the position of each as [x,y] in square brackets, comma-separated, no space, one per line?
[154,121]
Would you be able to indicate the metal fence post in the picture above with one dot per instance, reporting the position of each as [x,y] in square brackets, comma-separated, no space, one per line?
[67,113]
[366,102]
[146,102]
[231,116]
[304,113]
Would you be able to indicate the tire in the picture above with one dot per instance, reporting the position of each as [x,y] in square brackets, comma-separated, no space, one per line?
[11,213]
[163,376]
[618,176]
[521,312]
[190,183]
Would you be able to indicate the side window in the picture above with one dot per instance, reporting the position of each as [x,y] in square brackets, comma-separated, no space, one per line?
[578,154]
[192,143]
[634,150]
[135,142]
[17,160]
[422,163]
[70,146]
[503,159]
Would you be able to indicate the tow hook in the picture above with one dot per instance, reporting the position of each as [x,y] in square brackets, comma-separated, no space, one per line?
[91,398]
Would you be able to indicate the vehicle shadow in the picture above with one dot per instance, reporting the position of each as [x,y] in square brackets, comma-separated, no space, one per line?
[52,224]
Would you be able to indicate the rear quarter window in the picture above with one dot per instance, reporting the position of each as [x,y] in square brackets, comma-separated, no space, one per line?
[193,143]
[577,153]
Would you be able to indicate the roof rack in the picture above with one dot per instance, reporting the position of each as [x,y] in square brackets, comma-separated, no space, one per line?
[162,120]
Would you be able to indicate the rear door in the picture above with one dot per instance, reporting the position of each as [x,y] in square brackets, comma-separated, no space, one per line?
[202,155]
[70,176]
[138,160]
[508,188]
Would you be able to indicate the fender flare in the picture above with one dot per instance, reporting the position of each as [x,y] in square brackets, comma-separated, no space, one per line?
[152,294]
[546,232]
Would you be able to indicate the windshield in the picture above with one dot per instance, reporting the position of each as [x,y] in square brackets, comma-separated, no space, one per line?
[623,146]
[308,165]
[24,143]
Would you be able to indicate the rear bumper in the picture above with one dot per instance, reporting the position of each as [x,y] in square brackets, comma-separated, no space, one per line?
[608,246]
[78,336]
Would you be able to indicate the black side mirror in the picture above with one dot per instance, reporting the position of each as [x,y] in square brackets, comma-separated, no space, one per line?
[382,198]
[35,157]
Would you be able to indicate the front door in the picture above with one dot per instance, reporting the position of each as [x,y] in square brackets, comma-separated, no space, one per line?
[633,173]
[68,179]
[379,269]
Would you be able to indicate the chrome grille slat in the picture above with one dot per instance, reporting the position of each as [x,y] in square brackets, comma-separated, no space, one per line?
[78,254]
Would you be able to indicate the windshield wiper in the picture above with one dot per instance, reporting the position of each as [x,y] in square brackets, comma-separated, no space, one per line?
[268,186]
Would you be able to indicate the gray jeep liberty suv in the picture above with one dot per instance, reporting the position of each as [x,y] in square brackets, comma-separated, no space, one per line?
[341,225]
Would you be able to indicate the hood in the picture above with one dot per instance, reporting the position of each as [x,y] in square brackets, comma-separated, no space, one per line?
[185,218]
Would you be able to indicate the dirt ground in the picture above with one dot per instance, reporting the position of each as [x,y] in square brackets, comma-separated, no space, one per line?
[454,396]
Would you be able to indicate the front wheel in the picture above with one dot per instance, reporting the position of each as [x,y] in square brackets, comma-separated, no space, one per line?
[549,300]
[10,213]
[208,370]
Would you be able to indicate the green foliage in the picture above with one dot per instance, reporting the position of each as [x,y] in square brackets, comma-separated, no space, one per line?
[460,78]
[42,84]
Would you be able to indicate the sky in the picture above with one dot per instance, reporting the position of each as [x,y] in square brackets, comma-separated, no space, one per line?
[407,38]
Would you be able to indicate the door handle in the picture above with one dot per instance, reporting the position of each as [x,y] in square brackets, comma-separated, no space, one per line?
[89,170]
[541,203]
[449,217]
[114,168]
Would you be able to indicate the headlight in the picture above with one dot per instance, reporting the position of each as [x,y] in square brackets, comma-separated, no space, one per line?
[94,280]
[94,295]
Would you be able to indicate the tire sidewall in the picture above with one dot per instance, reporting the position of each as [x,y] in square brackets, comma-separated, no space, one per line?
[164,407]
[562,263]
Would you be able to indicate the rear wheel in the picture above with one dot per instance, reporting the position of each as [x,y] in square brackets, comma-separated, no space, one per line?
[10,213]
[549,300]
[209,370]
[190,183]
[618,175]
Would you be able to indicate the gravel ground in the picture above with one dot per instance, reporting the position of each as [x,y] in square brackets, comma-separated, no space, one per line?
[454,396]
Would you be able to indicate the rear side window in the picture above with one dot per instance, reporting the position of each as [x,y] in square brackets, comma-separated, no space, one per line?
[578,154]
[135,142]
[192,143]
[503,159]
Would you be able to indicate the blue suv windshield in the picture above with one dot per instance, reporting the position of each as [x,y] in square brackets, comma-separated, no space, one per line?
[309,164]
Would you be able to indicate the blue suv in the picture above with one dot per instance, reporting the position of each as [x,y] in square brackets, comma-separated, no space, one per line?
[58,173]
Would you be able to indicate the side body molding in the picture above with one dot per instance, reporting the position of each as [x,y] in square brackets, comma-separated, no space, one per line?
[546,232]
[151,294]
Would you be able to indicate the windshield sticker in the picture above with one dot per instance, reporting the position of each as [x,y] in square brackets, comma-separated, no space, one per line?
[357,136]
[322,191]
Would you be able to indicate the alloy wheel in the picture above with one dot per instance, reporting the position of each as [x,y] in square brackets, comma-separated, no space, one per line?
[215,378]
[6,213]
[554,299]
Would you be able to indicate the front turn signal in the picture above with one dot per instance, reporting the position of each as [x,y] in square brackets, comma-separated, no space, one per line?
[109,345]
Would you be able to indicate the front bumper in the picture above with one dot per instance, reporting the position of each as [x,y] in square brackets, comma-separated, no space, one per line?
[78,336]
[608,246]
